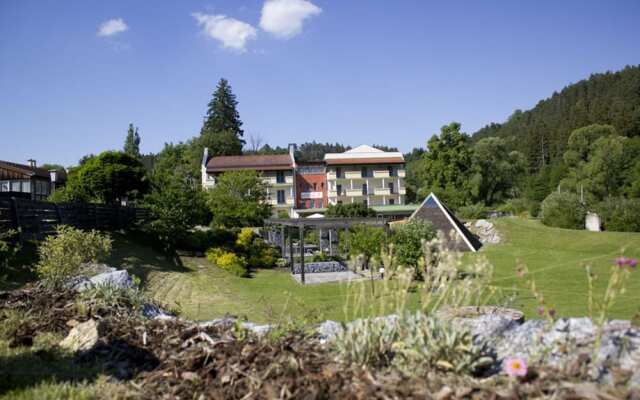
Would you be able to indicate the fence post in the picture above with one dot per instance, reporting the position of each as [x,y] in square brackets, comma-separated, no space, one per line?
[16,217]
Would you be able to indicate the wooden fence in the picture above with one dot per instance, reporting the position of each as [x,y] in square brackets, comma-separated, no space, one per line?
[36,219]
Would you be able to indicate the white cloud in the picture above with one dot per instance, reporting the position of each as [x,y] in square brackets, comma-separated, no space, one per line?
[112,27]
[284,18]
[233,34]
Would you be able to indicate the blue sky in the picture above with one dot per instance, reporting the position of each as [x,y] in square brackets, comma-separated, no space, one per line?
[384,72]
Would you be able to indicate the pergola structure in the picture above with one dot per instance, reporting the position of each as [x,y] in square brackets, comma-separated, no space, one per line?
[274,225]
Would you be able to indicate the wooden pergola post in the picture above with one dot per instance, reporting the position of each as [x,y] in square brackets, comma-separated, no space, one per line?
[290,248]
[282,241]
[301,229]
[331,242]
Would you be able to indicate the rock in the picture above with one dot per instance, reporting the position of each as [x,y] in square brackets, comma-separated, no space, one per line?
[82,337]
[521,341]
[119,279]
[78,283]
[152,311]
[328,330]
[483,224]
[91,269]
[217,322]
[255,328]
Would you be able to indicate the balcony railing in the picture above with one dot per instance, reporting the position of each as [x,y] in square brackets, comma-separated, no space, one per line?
[381,174]
[354,192]
[352,175]
[381,191]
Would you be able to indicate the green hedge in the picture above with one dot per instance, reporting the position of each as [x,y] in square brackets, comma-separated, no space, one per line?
[563,210]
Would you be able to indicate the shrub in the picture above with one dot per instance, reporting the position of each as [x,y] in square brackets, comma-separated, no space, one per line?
[244,240]
[8,250]
[413,343]
[563,210]
[472,211]
[61,255]
[228,260]
[407,240]
[620,214]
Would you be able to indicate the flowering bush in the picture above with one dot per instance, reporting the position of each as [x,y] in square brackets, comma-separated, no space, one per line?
[228,260]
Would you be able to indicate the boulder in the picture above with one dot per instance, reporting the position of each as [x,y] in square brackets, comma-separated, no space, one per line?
[119,279]
[152,311]
[328,330]
[255,328]
[82,337]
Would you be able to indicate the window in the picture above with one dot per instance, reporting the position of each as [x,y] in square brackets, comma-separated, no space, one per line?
[320,203]
[26,187]
[4,186]
[15,186]
[339,190]
[392,202]
[338,172]
[392,171]
[301,204]
[339,201]
[280,196]
[321,185]
[391,187]
[364,189]
[314,186]
[279,176]
[365,172]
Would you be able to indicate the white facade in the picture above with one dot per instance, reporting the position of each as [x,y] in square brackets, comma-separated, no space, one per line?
[372,181]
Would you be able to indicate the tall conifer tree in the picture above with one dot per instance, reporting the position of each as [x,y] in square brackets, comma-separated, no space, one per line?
[222,129]
[132,142]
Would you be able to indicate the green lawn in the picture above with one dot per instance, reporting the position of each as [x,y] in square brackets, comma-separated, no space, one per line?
[556,259]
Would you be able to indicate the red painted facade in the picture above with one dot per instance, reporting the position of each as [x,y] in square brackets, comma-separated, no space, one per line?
[311,186]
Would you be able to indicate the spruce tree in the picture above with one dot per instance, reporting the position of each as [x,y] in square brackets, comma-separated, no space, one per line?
[221,122]
[132,142]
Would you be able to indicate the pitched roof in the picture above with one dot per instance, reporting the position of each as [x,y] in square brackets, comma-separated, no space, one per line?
[370,160]
[256,162]
[25,169]
[443,219]
[364,154]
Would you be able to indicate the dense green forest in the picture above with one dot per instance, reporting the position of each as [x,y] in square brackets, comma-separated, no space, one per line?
[542,133]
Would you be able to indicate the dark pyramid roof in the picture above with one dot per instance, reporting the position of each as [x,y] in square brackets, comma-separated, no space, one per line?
[443,219]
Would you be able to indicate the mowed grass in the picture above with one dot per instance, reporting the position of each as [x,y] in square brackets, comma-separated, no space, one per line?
[556,259]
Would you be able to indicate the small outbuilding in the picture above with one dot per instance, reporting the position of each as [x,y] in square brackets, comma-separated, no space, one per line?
[444,220]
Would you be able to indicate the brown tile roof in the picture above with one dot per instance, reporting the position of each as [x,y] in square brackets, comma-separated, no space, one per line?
[372,160]
[257,162]
[25,169]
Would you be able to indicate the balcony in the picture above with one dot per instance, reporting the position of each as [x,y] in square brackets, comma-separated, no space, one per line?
[381,174]
[352,175]
[401,173]
[332,175]
[381,191]
[332,193]
[402,191]
[354,192]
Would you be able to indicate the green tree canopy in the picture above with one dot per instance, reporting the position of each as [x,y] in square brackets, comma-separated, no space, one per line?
[109,177]
[365,241]
[446,166]
[132,142]
[238,199]
[222,130]
[496,171]
[350,210]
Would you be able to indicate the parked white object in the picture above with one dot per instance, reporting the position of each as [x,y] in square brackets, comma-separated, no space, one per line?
[592,222]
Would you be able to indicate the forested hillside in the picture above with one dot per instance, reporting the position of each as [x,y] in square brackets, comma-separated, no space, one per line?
[541,133]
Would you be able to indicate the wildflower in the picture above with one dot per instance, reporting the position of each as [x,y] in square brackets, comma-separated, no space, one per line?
[622,261]
[632,262]
[515,366]
[552,312]
[541,311]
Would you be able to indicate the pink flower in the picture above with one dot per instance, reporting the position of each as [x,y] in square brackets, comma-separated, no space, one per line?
[632,262]
[514,366]
[621,261]
[626,262]
[541,311]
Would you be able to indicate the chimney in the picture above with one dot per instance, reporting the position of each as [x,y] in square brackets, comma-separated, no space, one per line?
[32,162]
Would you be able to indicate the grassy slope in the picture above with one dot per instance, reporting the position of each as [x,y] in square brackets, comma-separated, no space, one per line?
[556,259]
[554,256]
